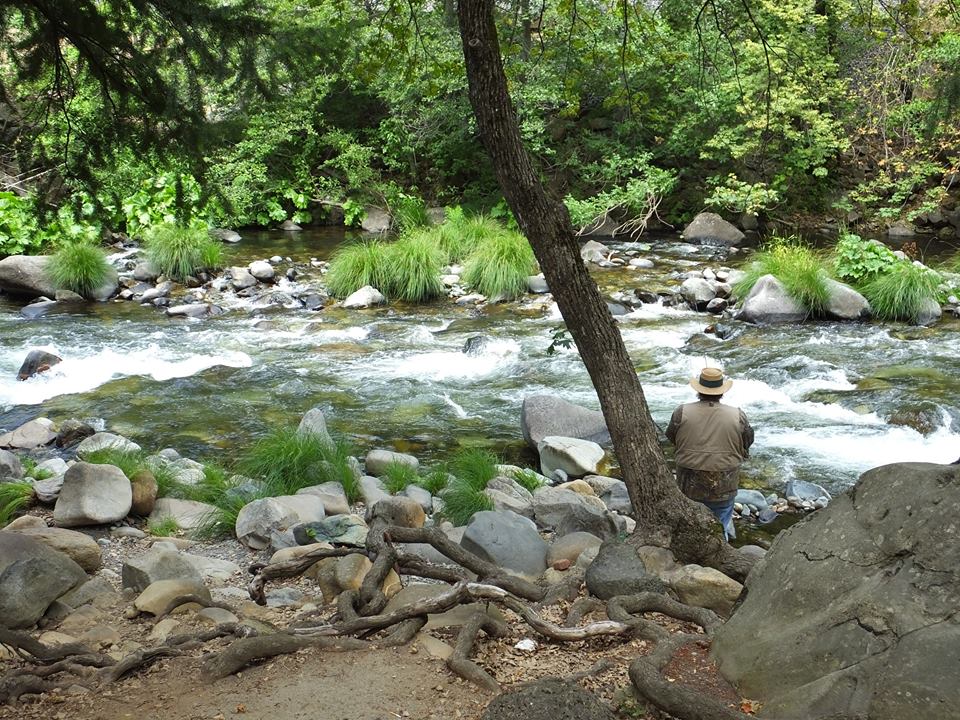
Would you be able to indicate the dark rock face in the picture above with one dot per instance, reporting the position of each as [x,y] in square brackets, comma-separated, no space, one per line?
[37,361]
[853,611]
[548,699]
[618,570]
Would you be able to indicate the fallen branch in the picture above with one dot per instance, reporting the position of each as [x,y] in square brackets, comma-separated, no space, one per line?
[564,634]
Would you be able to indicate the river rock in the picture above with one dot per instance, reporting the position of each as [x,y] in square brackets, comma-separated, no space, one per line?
[508,494]
[241,279]
[594,252]
[751,497]
[397,510]
[708,228]
[138,573]
[619,570]
[617,498]
[698,292]
[25,521]
[548,699]
[10,466]
[332,496]
[507,540]
[544,415]
[372,490]
[537,285]
[769,302]
[38,308]
[845,303]
[257,521]
[806,491]
[104,441]
[365,297]
[376,220]
[193,310]
[158,595]
[421,496]
[852,612]
[37,361]
[187,514]
[32,576]
[225,235]
[262,270]
[705,587]
[146,271]
[569,547]
[26,276]
[930,312]
[144,487]
[573,456]
[336,530]
[901,229]
[72,431]
[314,423]
[566,511]
[92,495]
[47,491]
[80,548]
[30,435]
[377,461]
[106,290]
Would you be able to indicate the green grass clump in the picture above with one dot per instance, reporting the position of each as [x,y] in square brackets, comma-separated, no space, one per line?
[287,460]
[409,213]
[355,265]
[464,496]
[529,479]
[30,470]
[397,476]
[798,267]
[902,293]
[500,264]
[179,252]
[130,463]
[167,527]
[435,480]
[413,267]
[78,266]
[14,496]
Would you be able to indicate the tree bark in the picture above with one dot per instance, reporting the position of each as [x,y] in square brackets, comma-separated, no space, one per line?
[664,516]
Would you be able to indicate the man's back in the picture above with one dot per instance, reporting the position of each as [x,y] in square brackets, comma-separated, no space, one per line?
[710,436]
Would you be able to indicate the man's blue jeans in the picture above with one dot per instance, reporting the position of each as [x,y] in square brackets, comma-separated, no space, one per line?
[724,512]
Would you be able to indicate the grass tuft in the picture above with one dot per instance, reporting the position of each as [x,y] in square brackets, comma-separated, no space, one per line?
[529,479]
[355,265]
[435,480]
[179,252]
[167,527]
[499,264]
[130,463]
[78,266]
[14,496]
[397,476]
[798,267]
[409,213]
[287,460]
[903,292]
[413,267]
[464,496]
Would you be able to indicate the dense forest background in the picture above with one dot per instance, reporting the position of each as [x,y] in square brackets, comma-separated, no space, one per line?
[120,114]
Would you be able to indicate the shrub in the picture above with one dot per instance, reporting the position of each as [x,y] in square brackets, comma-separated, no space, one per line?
[902,293]
[530,479]
[857,260]
[798,267]
[413,267]
[500,264]
[355,265]
[78,266]
[409,213]
[475,465]
[181,251]
[397,476]
[13,497]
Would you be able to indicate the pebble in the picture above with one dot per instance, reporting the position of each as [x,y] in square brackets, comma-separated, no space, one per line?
[103,542]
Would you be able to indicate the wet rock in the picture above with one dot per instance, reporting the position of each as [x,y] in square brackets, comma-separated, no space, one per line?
[193,310]
[717,306]
[573,456]
[37,361]
[32,576]
[544,415]
[262,270]
[92,495]
[769,302]
[80,548]
[377,461]
[929,313]
[37,309]
[365,297]
[241,278]
[926,418]
[708,228]
[476,345]
[105,441]
[30,435]
[72,431]
[619,570]
[806,491]
[845,303]
[290,226]
[751,497]
[537,285]
[224,235]
[697,292]
[507,540]
[901,229]
[146,271]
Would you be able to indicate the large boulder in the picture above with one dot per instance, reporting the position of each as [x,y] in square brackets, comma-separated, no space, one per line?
[258,520]
[769,302]
[32,576]
[33,434]
[573,456]
[376,220]
[845,303]
[139,572]
[364,297]
[543,415]
[708,228]
[566,511]
[398,510]
[26,276]
[378,460]
[80,548]
[619,570]
[507,540]
[852,613]
[331,494]
[106,289]
[92,495]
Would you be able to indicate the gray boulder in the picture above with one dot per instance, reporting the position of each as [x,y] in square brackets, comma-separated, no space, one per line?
[544,415]
[32,576]
[376,220]
[241,278]
[769,302]
[26,276]
[257,521]
[698,292]
[138,572]
[566,511]
[80,548]
[262,270]
[372,490]
[365,297]
[852,613]
[47,491]
[37,361]
[105,291]
[507,540]
[377,461]
[845,303]
[617,497]
[10,466]
[225,235]
[104,441]
[619,570]
[92,495]
[336,530]
[573,456]
[929,313]
[537,285]
[508,494]
[594,252]
[708,228]
[314,423]
[331,494]
[30,435]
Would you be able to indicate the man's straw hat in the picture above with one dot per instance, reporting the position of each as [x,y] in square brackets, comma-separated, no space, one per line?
[711,382]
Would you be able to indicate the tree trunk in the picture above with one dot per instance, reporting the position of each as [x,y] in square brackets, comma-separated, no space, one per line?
[664,516]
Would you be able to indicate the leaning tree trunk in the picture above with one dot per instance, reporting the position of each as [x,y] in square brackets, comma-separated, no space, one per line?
[664,516]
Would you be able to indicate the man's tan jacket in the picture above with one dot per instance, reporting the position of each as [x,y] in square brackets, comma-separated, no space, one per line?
[710,436]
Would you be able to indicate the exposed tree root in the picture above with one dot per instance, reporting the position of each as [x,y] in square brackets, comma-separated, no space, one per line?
[186,599]
[242,652]
[460,662]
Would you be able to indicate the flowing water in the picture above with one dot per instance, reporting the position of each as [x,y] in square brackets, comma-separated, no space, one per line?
[820,395]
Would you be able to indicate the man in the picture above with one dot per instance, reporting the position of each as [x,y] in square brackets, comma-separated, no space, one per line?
[711,440]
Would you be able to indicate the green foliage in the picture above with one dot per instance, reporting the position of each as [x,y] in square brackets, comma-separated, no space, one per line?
[181,251]
[353,213]
[902,292]
[409,213]
[356,265]
[19,230]
[463,496]
[78,266]
[397,476]
[530,479]
[14,496]
[857,260]
[435,480]
[287,460]
[500,264]
[167,527]
[413,268]
[734,195]
[30,470]
[475,465]
[798,267]
[167,199]
[130,463]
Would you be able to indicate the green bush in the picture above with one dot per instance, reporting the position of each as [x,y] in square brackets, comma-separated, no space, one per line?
[500,264]
[463,496]
[414,263]
[857,260]
[397,476]
[78,266]
[529,479]
[355,265]
[14,496]
[798,267]
[435,480]
[181,251]
[409,213]
[19,230]
[903,292]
